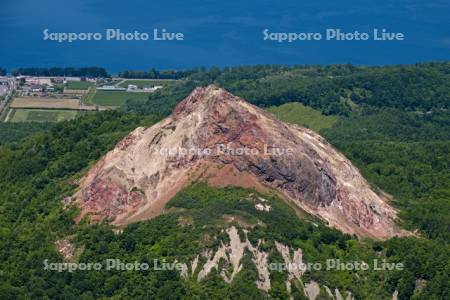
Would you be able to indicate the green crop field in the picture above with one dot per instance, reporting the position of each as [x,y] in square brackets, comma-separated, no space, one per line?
[90,95]
[300,114]
[42,115]
[108,98]
[78,85]
[145,82]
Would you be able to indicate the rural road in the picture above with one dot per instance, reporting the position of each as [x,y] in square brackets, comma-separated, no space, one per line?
[11,87]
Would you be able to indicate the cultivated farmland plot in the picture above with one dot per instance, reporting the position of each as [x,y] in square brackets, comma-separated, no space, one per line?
[107,98]
[50,103]
[79,85]
[42,115]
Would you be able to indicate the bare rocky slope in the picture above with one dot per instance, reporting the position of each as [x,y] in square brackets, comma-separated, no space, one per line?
[219,137]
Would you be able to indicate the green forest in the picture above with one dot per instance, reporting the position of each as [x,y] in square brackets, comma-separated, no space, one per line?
[392,122]
[56,71]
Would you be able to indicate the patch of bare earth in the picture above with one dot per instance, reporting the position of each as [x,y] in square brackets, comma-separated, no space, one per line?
[50,103]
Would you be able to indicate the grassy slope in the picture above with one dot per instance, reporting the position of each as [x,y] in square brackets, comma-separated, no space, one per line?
[298,113]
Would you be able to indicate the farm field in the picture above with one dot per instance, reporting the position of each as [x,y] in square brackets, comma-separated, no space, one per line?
[79,85]
[300,114]
[108,98]
[42,115]
[140,83]
[89,95]
[35,102]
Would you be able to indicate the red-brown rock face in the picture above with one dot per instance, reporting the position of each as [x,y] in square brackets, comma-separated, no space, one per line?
[215,135]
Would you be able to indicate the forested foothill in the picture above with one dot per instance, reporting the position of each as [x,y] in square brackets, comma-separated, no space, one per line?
[393,122]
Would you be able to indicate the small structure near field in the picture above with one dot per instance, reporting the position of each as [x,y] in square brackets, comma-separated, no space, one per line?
[152,89]
[111,88]
[132,87]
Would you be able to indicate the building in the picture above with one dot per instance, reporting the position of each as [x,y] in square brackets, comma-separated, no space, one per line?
[38,81]
[35,88]
[72,79]
[152,89]
[111,88]
[132,87]
[3,89]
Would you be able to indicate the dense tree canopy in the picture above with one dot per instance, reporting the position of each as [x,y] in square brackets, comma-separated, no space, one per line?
[335,89]
[56,71]
[392,122]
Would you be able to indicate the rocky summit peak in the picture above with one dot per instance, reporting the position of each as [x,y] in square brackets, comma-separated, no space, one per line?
[203,97]
[215,136]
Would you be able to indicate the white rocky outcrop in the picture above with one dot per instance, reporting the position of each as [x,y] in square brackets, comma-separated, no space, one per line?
[312,290]
[232,254]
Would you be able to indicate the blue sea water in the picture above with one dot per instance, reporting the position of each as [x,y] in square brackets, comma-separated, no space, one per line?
[222,33]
